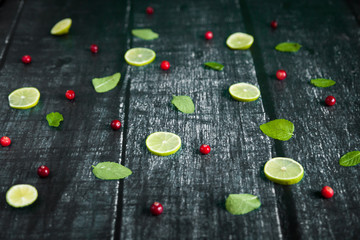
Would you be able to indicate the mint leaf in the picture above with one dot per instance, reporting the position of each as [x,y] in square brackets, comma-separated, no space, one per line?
[322,82]
[288,47]
[146,34]
[214,65]
[111,171]
[105,84]
[183,104]
[238,204]
[280,129]
[54,119]
[350,159]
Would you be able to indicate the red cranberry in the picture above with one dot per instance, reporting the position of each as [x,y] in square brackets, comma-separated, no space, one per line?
[70,94]
[165,65]
[205,149]
[327,192]
[209,35]
[116,124]
[94,48]
[156,208]
[281,74]
[274,24]
[26,59]
[330,100]
[43,171]
[149,10]
[5,141]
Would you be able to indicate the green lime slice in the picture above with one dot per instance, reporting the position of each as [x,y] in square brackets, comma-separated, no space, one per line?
[62,27]
[163,143]
[239,41]
[284,171]
[21,195]
[244,92]
[139,56]
[24,98]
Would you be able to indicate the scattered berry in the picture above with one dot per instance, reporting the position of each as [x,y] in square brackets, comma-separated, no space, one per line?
[156,208]
[94,48]
[330,100]
[70,94]
[209,35]
[165,65]
[149,10]
[327,192]
[116,124]
[5,141]
[281,74]
[205,149]
[274,24]
[26,59]
[43,171]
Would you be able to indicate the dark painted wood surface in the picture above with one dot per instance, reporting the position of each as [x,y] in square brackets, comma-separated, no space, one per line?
[73,204]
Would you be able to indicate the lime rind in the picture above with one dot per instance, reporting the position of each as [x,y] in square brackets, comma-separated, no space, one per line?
[244,92]
[239,41]
[293,174]
[139,56]
[62,27]
[21,195]
[163,143]
[19,97]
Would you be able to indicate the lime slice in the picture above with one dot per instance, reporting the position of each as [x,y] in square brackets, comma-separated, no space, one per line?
[284,171]
[21,195]
[24,98]
[244,92]
[62,27]
[239,41]
[139,56]
[163,143]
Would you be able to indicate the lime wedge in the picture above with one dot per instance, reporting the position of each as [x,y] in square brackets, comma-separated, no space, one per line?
[21,195]
[284,171]
[62,27]
[239,41]
[244,92]
[24,98]
[163,143]
[139,56]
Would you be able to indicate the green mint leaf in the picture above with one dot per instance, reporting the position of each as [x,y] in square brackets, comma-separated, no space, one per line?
[214,65]
[288,47]
[111,171]
[350,159]
[105,84]
[183,104]
[54,119]
[322,82]
[238,204]
[146,34]
[280,129]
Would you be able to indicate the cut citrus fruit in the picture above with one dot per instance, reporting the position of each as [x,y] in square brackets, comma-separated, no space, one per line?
[139,56]
[239,41]
[244,92]
[62,27]
[163,143]
[24,98]
[284,171]
[21,195]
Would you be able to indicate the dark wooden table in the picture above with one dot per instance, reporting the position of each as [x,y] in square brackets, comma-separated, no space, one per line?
[73,204]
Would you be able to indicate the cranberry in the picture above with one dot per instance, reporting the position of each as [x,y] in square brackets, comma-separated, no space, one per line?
[327,192]
[209,35]
[165,65]
[281,74]
[274,24]
[156,208]
[94,48]
[116,124]
[205,149]
[70,94]
[26,59]
[149,10]
[5,141]
[330,100]
[43,171]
